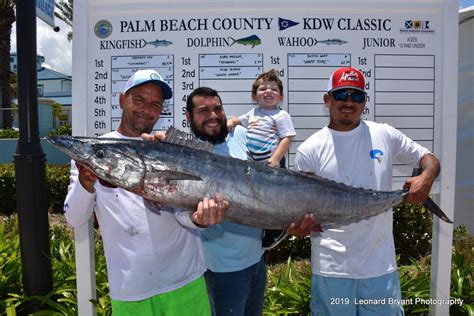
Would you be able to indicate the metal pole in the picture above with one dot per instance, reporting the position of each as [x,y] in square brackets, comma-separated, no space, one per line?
[32,201]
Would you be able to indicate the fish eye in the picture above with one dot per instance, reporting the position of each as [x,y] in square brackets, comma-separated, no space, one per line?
[100,153]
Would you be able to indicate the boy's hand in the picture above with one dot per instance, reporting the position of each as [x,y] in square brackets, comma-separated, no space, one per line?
[231,123]
[272,163]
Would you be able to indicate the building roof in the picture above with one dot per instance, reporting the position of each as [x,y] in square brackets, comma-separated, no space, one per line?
[49,74]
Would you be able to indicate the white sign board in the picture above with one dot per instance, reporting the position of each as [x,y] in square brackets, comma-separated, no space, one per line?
[400,46]
[196,44]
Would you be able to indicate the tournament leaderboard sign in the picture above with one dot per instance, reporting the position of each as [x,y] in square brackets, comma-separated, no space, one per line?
[398,51]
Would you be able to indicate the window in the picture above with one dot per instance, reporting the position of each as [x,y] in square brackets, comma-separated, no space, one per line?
[40,90]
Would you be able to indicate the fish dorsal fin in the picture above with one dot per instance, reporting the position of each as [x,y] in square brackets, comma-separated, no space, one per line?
[177,137]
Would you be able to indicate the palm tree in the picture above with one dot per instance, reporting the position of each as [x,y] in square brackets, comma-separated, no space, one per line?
[7,17]
[65,13]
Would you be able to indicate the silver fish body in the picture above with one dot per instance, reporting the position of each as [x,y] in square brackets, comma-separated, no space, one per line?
[259,196]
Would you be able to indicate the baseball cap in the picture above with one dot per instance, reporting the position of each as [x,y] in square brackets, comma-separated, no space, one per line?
[148,75]
[346,77]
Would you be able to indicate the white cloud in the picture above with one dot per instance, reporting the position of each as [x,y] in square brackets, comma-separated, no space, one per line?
[53,46]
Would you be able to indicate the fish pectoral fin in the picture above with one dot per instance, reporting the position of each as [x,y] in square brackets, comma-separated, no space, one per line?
[177,175]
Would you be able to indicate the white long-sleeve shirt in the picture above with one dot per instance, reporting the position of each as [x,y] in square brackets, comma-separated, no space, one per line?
[148,252]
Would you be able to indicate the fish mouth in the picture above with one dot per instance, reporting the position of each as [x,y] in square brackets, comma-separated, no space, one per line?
[71,147]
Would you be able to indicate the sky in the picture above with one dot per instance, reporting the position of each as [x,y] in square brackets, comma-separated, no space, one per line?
[53,46]
[57,51]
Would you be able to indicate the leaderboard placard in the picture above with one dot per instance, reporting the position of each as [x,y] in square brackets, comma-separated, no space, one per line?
[225,46]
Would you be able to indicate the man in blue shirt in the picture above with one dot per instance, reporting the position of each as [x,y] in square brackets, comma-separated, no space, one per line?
[236,274]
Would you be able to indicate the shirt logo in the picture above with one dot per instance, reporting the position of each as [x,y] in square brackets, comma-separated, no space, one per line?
[376,154]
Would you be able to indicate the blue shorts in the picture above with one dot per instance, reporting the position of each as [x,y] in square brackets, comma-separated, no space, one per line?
[239,292]
[365,297]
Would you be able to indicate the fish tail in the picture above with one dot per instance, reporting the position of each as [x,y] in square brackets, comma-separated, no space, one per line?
[233,40]
[435,209]
[430,204]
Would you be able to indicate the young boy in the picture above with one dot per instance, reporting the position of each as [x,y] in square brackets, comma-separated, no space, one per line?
[269,132]
[269,129]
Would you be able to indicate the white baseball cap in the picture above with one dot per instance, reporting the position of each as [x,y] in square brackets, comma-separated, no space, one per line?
[148,75]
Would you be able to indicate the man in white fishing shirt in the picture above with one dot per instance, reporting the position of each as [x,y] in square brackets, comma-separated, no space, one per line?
[154,255]
[354,269]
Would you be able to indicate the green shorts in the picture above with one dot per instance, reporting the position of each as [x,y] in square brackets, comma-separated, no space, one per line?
[190,299]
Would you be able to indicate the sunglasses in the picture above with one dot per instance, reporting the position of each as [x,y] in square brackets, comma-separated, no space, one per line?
[342,95]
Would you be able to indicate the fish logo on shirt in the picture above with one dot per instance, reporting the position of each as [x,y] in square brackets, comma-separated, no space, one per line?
[376,154]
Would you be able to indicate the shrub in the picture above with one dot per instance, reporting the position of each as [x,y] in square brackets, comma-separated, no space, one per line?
[65,129]
[412,228]
[288,289]
[9,133]
[62,300]
[10,262]
[415,278]
[462,272]
[57,180]
[296,248]
[287,292]
[7,189]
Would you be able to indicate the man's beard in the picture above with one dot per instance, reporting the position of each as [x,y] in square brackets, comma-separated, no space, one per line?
[213,139]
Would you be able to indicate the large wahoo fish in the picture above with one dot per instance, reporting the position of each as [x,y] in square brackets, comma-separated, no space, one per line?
[179,173]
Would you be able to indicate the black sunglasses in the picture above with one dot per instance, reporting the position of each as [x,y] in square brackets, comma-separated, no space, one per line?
[342,95]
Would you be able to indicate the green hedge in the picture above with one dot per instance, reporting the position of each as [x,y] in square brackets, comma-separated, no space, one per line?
[9,133]
[57,180]
[287,291]
[412,228]
[65,129]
